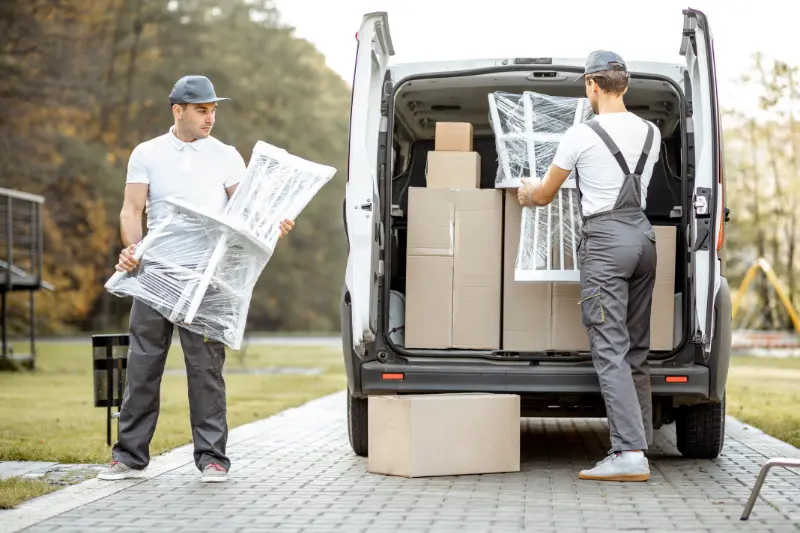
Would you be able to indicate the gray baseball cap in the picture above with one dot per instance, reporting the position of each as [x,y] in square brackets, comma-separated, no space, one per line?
[601,60]
[194,90]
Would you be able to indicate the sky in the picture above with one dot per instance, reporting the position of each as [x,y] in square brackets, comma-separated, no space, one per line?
[424,30]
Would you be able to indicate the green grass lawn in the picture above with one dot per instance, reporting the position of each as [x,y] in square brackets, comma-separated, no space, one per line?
[765,393]
[15,490]
[49,415]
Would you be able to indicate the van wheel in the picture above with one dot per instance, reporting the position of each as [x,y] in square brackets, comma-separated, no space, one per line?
[700,430]
[357,424]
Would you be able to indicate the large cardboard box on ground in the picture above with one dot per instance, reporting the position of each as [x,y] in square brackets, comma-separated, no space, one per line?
[453,272]
[444,434]
[546,316]
[453,170]
[453,137]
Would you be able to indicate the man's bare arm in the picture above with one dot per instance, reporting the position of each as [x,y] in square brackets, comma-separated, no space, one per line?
[543,193]
[130,217]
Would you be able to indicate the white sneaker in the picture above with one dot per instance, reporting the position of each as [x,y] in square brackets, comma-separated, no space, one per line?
[214,473]
[116,471]
[620,466]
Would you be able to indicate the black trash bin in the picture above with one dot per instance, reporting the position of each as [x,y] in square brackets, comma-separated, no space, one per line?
[110,363]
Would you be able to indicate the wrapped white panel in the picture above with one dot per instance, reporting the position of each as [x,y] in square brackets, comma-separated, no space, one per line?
[198,269]
[528,128]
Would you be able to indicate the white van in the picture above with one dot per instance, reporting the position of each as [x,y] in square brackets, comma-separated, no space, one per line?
[390,136]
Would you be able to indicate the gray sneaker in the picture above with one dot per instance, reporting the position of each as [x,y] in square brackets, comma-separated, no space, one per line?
[116,471]
[214,473]
[624,466]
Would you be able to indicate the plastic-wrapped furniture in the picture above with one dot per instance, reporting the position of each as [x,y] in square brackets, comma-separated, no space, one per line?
[198,269]
[528,128]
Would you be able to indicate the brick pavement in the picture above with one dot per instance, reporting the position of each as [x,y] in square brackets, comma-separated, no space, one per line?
[295,473]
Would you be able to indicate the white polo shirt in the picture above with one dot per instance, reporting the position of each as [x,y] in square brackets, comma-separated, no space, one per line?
[599,174]
[196,173]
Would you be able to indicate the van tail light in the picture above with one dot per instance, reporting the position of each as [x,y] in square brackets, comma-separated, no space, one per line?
[393,377]
[677,379]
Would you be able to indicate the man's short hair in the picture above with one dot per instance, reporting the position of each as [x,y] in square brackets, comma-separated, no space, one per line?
[610,81]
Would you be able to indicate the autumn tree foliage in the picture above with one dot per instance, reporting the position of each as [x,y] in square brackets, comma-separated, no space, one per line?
[83,81]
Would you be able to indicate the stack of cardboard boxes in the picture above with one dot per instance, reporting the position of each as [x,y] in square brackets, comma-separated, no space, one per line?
[462,246]
[454,250]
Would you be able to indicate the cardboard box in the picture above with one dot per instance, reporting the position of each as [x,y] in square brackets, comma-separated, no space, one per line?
[567,331]
[453,277]
[544,316]
[662,317]
[453,137]
[526,306]
[453,170]
[444,434]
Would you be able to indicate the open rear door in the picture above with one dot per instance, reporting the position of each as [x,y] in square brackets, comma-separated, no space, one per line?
[705,170]
[362,199]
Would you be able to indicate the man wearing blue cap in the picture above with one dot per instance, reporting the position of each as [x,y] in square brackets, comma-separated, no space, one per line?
[190,165]
[616,254]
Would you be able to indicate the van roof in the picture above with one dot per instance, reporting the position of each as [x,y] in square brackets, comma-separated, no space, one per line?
[402,70]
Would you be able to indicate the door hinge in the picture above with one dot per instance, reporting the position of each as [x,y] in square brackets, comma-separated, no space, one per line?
[702,214]
[702,202]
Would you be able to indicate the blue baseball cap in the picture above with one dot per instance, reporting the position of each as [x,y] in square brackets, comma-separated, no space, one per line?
[602,60]
[194,90]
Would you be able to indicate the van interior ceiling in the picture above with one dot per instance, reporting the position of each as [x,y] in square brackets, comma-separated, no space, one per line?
[420,103]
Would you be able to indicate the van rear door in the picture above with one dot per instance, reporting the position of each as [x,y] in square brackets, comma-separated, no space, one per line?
[362,199]
[703,131]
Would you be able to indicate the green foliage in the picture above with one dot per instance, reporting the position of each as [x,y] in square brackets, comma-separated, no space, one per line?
[88,80]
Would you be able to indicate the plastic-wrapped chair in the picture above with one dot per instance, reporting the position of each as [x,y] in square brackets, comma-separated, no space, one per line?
[528,128]
[198,269]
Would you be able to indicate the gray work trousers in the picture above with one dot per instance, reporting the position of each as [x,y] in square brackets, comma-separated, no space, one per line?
[150,340]
[618,260]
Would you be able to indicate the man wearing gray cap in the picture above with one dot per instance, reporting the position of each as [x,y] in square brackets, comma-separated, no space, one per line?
[190,165]
[616,254]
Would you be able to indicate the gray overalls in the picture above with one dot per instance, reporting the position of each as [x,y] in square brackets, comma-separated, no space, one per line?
[617,258]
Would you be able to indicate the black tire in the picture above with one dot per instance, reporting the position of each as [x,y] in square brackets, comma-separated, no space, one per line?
[700,430]
[357,424]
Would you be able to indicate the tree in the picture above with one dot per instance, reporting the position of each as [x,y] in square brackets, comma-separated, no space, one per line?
[88,80]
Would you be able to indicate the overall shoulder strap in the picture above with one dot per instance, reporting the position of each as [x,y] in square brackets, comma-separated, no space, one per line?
[612,146]
[648,145]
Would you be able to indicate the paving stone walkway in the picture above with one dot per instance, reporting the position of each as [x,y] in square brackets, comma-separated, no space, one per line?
[295,472]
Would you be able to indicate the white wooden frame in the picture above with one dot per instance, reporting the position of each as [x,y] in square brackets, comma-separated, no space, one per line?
[542,215]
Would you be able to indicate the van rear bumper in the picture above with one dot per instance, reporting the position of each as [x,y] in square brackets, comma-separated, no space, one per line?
[381,378]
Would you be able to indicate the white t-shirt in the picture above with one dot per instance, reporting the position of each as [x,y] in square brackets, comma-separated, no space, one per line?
[600,176]
[196,173]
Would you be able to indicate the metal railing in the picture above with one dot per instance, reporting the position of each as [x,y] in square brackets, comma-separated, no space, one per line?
[21,256]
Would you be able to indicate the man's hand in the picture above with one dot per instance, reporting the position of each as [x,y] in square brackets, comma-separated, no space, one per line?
[126,260]
[286,226]
[525,193]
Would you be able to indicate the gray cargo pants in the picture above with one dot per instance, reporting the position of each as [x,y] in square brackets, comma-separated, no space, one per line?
[150,340]
[618,263]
